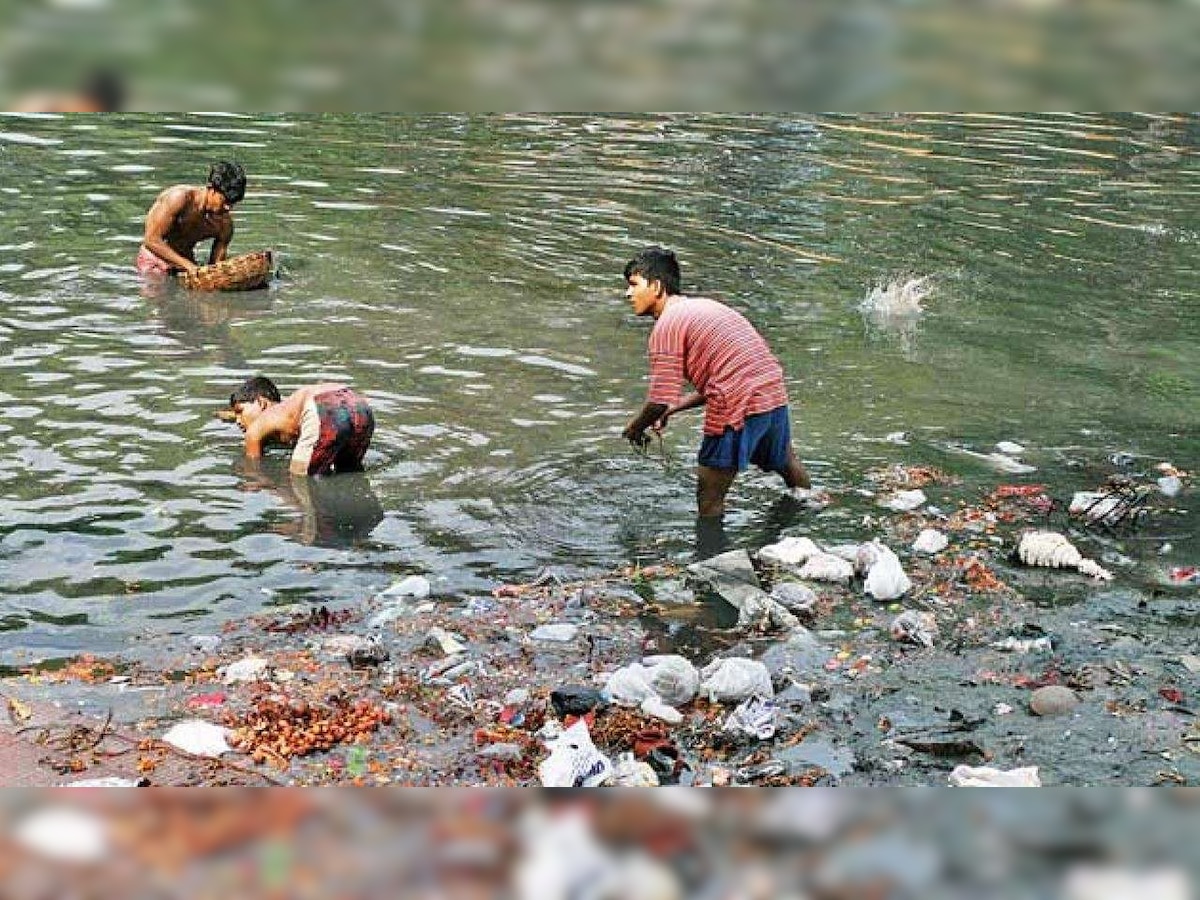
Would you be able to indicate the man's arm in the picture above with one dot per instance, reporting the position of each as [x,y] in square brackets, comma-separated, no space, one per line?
[159,220]
[635,431]
[220,246]
[691,401]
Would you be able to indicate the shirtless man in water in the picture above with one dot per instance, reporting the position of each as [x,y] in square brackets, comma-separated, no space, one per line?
[329,425]
[184,215]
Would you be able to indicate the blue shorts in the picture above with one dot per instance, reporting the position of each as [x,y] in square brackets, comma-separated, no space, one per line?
[763,439]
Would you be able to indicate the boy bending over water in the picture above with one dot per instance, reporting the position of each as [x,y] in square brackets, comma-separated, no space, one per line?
[329,424]
[184,215]
[736,378]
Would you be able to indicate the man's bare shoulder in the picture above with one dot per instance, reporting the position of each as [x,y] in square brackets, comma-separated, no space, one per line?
[175,195]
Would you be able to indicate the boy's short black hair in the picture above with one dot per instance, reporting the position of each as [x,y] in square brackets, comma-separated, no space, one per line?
[252,389]
[230,179]
[656,264]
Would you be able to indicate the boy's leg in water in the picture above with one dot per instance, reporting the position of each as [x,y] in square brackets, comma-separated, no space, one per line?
[795,475]
[711,487]
[711,539]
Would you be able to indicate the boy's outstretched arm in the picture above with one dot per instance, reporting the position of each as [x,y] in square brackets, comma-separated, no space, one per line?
[635,430]
[691,401]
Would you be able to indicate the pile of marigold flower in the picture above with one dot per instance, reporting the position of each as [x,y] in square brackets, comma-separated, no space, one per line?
[277,729]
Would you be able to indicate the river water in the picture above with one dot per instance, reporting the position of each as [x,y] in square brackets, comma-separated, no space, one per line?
[465,273]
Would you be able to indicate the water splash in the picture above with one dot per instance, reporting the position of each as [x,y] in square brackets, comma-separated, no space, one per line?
[892,310]
[901,297]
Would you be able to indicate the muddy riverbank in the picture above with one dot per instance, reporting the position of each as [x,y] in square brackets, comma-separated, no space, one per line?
[410,687]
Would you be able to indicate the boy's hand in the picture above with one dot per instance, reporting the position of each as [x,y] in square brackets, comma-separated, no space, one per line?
[637,438]
[226,415]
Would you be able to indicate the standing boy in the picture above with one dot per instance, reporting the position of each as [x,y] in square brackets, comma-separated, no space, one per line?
[185,215]
[735,376]
[329,425]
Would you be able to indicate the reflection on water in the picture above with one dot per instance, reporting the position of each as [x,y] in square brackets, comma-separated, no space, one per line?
[202,321]
[465,273]
[711,537]
[336,511]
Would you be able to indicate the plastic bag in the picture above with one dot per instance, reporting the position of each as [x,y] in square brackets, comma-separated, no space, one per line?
[904,501]
[653,706]
[629,685]
[791,551]
[886,579]
[574,760]
[930,540]
[632,772]
[198,738]
[915,628]
[985,776]
[735,679]
[673,678]
[757,717]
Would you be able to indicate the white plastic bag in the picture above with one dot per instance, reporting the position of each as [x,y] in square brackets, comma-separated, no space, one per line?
[632,772]
[574,760]
[904,501]
[735,679]
[791,551]
[886,579]
[985,776]
[251,668]
[198,738]
[629,685]
[654,707]
[673,678]
[930,540]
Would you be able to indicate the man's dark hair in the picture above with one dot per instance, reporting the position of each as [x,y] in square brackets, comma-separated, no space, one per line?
[230,179]
[252,389]
[656,264]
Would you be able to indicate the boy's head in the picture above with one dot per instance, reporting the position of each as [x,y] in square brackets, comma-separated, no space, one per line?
[249,400]
[656,264]
[229,179]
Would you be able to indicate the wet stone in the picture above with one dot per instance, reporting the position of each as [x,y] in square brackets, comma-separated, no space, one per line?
[800,654]
[575,700]
[1053,700]
[673,592]
[837,761]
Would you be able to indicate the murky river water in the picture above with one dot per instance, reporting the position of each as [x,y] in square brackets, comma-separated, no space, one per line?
[465,273]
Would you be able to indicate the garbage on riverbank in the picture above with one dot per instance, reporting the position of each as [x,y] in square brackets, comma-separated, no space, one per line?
[891,651]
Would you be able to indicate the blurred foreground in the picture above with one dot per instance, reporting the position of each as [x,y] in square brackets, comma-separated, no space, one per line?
[534,54]
[633,845]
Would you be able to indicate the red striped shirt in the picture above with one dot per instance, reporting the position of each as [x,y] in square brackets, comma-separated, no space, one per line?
[716,349]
